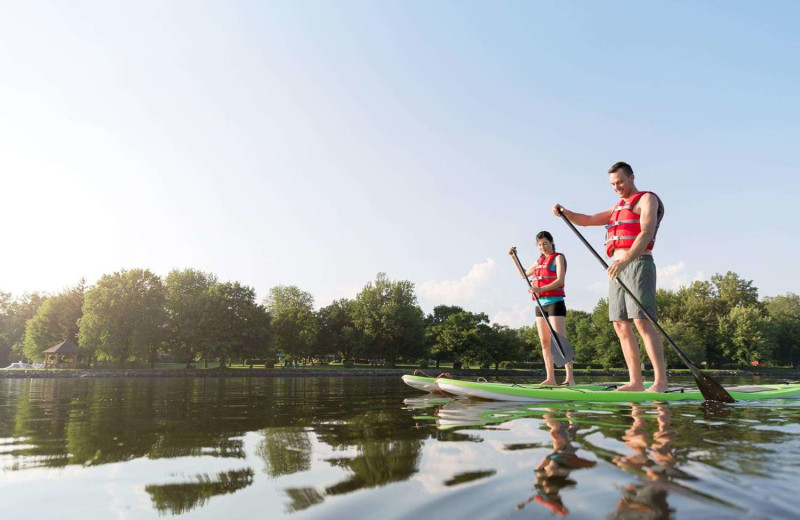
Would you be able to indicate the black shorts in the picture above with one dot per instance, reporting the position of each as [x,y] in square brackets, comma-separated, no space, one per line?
[556,309]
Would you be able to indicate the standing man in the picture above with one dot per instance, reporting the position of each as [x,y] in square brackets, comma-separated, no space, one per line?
[631,226]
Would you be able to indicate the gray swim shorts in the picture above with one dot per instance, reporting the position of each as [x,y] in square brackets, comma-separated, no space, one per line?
[640,277]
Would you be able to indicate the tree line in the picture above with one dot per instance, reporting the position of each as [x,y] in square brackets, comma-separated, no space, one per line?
[191,316]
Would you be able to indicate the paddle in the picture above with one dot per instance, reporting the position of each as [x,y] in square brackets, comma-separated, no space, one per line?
[711,390]
[564,353]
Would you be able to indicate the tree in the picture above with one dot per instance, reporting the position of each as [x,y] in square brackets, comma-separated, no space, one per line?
[700,310]
[733,291]
[458,337]
[337,331]
[581,332]
[387,314]
[236,324]
[604,340]
[784,311]
[687,340]
[744,333]
[124,317]
[499,343]
[55,321]
[14,314]
[433,329]
[293,322]
[187,304]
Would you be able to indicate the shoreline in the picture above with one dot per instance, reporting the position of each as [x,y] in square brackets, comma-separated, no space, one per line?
[316,372]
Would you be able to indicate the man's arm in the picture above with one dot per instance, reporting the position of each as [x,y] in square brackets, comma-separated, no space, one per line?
[598,219]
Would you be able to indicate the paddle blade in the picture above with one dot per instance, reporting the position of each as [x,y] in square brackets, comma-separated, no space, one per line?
[711,390]
[561,349]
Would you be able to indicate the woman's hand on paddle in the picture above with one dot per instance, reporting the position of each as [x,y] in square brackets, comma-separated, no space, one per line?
[512,251]
[534,290]
[558,209]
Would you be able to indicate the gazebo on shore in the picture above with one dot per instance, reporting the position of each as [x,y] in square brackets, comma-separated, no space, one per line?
[65,354]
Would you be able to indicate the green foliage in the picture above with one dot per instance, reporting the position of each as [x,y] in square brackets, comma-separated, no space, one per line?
[56,320]
[236,325]
[338,334]
[784,313]
[744,335]
[294,324]
[187,302]
[687,340]
[124,317]
[392,325]
[455,334]
[498,343]
[14,314]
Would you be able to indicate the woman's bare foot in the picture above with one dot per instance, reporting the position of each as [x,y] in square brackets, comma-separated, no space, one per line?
[551,382]
[663,387]
[630,387]
[568,382]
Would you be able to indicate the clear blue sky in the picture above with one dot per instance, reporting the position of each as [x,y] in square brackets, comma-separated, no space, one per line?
[317,143]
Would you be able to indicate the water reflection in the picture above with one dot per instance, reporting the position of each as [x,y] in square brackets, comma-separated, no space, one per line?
[552,473]
[181,498]
[60,423]
[644,432]
[324,447]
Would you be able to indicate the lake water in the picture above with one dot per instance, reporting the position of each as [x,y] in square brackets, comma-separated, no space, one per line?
[357,447]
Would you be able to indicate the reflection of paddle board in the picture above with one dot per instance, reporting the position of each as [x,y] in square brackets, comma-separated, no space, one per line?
[538,393]
[473,412]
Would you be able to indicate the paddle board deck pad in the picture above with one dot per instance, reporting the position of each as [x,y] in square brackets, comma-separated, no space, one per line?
[604,393]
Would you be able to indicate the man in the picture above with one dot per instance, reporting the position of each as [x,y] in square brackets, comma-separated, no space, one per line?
[631,225]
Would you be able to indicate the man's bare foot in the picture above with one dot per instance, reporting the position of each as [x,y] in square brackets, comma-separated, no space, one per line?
[663,387]
[551,382]
[630,387]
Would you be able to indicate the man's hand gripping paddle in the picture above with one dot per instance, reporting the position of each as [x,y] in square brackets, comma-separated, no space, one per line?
[563,353]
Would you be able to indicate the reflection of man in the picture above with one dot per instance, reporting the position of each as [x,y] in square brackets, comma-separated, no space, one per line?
[632,224]
[553,471]
[656,461]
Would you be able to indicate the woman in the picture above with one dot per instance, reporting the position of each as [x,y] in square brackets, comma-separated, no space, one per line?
[548,274]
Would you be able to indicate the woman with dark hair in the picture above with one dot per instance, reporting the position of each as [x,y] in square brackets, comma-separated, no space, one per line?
[548,276]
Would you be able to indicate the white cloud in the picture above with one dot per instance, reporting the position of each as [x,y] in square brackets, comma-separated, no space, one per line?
[598,287]
[515,317]
[461,291]
[674,276]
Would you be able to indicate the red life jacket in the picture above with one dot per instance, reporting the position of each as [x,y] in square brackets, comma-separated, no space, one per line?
[545,272]
[624,225]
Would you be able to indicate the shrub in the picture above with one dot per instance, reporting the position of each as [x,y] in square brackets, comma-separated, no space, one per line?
[349,363]
[423,363]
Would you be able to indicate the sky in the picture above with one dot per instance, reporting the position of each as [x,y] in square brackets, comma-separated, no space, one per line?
[318,143]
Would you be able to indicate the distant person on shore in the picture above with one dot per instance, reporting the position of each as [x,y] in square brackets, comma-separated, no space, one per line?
[631,226]
[549,274]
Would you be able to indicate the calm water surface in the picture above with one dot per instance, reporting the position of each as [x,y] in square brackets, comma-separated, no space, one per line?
[343,448]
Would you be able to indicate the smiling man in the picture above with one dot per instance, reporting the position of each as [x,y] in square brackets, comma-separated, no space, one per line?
[631,226]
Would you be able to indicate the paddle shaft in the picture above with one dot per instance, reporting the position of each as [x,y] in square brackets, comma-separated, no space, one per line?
[539,304]
[722,394]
